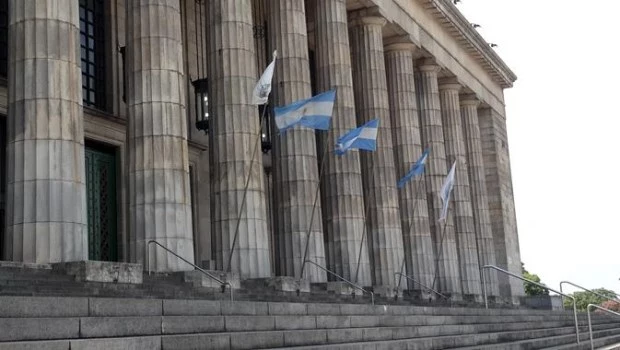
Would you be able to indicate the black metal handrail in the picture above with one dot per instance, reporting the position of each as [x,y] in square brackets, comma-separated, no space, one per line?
[372,295]
[420,284]
[222,283]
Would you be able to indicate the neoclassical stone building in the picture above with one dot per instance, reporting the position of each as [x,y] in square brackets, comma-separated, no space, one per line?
[125,121]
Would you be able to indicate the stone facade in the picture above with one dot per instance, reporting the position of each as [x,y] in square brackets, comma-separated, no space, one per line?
[416,65]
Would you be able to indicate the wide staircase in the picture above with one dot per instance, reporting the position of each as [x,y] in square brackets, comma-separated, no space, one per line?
[43,310]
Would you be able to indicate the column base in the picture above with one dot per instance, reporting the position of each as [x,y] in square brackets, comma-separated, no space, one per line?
[421,295]
[343,288]
[101,271]
[452,297]
[387,291]
[473,298]
[199,279]
[281,284]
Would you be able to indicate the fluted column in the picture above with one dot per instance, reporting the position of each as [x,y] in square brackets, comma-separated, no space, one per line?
[446,258]
[498,176]
[461,195]
[295,156]
[234,131]
[159,198]
[479,195]
[408,148]
[46,193]
[342,194]
[385,240]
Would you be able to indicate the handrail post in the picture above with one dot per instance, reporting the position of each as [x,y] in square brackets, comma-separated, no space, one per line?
[484,288]
[590,321]
[542,286]
[576,319]
[590,327]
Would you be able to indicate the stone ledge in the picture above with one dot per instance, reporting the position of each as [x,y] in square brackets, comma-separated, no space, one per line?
[101,271]
[343,288]
[22,265]
[199,279]
[283,284]
[387,291]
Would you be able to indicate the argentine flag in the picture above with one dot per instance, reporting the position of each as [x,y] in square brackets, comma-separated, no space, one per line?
[260,95]
[314,113]
[416,169]
[364,137]
[446,191]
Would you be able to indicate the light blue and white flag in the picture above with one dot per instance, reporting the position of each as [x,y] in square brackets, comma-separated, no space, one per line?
[314,113]
[364,137]
[446,191]
[416,170]
[260,95]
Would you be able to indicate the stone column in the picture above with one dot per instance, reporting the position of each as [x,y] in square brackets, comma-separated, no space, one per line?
[295,155]
[446,258]
[479,196]
[407,150]
[385,239]
[234,128]
[501,199]
[159,198]
[461,196]
[342,194]
[46,193]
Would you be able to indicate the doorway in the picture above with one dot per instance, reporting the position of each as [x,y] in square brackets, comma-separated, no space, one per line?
[101,202]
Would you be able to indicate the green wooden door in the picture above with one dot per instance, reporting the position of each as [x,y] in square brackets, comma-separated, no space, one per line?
[101,204]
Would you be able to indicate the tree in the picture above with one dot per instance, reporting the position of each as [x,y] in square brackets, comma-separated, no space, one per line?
[532,289]
[582,299]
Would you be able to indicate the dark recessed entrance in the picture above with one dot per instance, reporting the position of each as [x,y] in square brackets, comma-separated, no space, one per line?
[101,202]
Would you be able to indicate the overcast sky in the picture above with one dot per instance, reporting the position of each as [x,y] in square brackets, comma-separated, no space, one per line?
[564,131]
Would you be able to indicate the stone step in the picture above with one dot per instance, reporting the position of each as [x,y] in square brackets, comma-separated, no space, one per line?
[503,341]
[321,339]
[602,343]
[136,343]
[27,306]
[16,329]
[602,338]
[45,282]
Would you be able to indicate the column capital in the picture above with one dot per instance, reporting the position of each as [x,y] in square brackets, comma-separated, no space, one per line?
[450,83]
[469,100]
[400,46]
[429,65]
[368,21]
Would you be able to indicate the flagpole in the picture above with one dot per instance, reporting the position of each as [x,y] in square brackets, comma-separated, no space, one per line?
[316,197]
[448,187]
[415,208]
[245,191]
[359,256]
[443,235]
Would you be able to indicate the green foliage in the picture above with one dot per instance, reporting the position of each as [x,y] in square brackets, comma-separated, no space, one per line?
[584,298]
[532,289]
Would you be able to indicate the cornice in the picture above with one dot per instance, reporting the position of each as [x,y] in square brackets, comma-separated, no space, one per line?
[453,20]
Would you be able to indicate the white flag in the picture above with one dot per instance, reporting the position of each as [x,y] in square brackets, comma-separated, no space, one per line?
[260,96]
[446,191]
